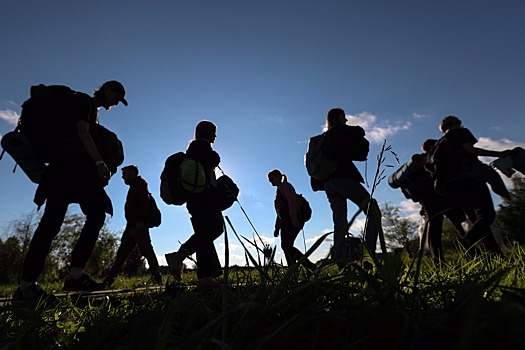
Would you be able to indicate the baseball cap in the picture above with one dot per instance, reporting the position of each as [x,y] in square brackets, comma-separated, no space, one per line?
[119,89]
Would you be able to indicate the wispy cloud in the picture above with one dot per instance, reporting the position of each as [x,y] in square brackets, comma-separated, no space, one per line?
[376,132]
[11,117]
[420,116]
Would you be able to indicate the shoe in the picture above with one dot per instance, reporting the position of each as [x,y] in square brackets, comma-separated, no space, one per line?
[84,283]
[207,283]
[175,264]
[157,278]
[34,297]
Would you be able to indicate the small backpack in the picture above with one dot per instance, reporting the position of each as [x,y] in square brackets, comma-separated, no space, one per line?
[317,164]
[171,191]
[227,192]
[360,146]
[154,218]
[305,211]
[108,145]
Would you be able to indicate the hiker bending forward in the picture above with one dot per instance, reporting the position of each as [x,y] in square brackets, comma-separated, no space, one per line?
[346,183]
[205,211]
[288,220]
[76,174]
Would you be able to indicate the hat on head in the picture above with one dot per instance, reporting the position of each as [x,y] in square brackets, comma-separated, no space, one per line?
[119,89]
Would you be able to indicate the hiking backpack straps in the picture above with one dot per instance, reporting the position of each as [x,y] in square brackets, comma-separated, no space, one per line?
[317,164]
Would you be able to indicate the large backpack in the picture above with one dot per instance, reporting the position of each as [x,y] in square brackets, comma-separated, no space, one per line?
[192,175]
[44,117]
[171,190]
[412,179]
[444,162]
[154,218]
[318,165]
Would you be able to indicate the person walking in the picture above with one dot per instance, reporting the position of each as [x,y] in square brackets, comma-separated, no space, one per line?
[288,221]
[136,233]
[76,174]
[346,184]
[206,214]
[458,181]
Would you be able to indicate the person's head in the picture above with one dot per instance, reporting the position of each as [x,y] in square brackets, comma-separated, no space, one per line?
[110,94]
[427,145]
[206,130]
[449,122]
[335,116]
[129,172]
[276,177]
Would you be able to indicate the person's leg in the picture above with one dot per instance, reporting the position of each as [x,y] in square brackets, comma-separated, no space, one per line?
[474,194]
[291,253]
[354,191]
[435,230]
[143,239]
[49,226]
[207,227]
[95,218]
[127,244]
[339,217]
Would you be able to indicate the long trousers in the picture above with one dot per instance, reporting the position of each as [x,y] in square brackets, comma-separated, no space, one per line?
[207,227]
[49,227]
[131,238]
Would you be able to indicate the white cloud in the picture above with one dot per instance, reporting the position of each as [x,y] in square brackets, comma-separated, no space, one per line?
[376,132]
[11,117]
[419,116]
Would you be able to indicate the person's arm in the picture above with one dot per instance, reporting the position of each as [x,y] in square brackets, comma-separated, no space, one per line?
[87,141]
[469,148]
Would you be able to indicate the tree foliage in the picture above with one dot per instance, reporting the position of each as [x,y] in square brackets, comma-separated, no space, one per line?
[400,232]
[510,218]
[17,237]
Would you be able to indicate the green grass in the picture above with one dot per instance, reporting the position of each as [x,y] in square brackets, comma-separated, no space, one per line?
[463,304]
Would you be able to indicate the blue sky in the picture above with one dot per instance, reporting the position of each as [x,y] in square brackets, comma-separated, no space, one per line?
[266,72]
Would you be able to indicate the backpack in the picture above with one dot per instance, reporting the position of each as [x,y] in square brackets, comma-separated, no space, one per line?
[305,211]
[108,145]
[154,218]
[227,192]
[360,146]
[171,190]
[192,175]
[443,161]
[317,164]
[44,117]
[412,179]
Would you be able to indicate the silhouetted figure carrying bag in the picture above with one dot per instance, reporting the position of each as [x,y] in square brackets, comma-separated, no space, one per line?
[44,130]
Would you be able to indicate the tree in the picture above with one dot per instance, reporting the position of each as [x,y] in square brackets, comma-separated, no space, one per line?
[510,218]
[399,232]
[58,260]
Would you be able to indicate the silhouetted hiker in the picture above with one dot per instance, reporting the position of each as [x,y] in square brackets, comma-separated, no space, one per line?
[453,167]
[136,233]
[288,220]
[346,183]
[417,185]
[206,215]
[76,174]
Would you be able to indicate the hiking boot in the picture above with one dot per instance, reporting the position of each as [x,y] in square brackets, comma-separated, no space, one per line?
[157,278]
[174,261]
[84,283]
[34,297]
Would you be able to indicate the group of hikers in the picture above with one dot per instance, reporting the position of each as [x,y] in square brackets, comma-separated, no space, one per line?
[78,173]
